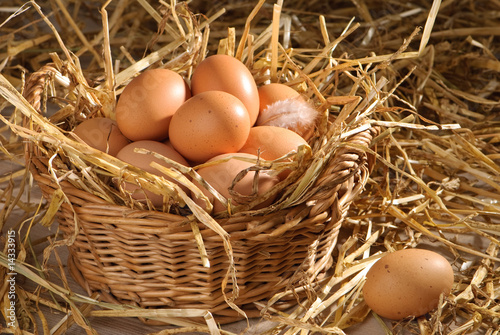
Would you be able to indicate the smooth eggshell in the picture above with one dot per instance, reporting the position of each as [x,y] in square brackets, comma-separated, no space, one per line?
[102,134]
[270,93]
[272,143]
[143,161]
[221,175]
[407,282]
[209,124]
[228,74]
[147,103]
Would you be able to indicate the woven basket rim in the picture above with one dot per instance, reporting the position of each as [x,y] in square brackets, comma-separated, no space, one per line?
[34,90]
[340,183]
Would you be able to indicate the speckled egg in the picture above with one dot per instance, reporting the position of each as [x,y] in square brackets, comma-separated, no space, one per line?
[270,93]
[272,143]
[143,161]
[102,134]
[228,74]
[209,124]
[221,175]
[146,105]
[407,283]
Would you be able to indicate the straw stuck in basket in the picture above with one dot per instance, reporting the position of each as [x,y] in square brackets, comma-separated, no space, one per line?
[434,184]
[180,256]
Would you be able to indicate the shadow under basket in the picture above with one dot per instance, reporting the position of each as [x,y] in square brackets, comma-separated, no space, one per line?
[150,258]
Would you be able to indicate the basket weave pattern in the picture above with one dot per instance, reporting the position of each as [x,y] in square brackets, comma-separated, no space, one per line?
[150,258]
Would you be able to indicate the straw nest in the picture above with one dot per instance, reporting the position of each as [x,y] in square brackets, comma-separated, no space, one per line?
[427,76]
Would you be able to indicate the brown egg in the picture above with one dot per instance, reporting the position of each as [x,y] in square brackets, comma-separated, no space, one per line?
[143,161]
[228,74]
[270,93]
[221,176]
[272,143]
[407,283]
[102,134]
[147,103]
[282,106]
[209,124]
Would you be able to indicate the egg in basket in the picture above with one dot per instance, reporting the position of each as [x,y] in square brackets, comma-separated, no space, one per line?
[206,182]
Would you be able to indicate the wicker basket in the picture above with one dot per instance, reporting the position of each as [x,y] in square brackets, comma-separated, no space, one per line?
[150,259]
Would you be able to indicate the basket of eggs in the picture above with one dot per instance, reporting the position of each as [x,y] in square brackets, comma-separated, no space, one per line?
[199,181]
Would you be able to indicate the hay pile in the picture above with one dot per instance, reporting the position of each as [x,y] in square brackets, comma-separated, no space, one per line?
[437,176]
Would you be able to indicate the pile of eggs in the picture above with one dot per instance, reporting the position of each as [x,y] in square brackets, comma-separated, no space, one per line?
[221,113]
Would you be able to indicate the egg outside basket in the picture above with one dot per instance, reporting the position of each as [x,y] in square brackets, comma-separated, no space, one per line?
[151,258]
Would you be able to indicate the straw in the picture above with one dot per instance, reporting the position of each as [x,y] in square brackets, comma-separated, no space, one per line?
[364,64]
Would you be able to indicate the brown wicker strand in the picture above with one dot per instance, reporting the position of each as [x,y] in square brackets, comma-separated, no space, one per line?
[150,258]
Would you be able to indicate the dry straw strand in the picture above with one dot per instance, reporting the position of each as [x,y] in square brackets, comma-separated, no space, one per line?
[436,172]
